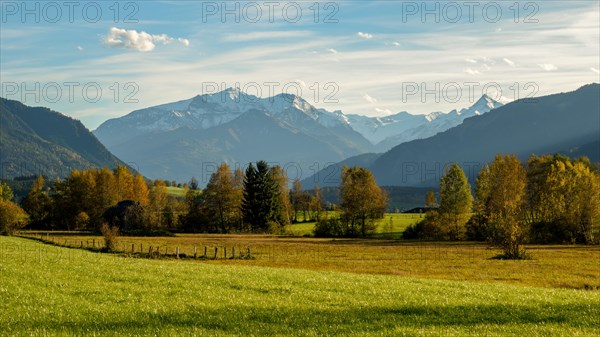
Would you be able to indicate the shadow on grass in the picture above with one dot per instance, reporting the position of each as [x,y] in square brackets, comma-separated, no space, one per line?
[248,320]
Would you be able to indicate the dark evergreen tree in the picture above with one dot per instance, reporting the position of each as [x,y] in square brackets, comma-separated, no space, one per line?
[260,203]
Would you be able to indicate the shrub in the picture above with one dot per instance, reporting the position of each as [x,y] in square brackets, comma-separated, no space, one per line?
[426,229]
[110,234]
[552,232]
[330,228]
[274,227]
[12,217]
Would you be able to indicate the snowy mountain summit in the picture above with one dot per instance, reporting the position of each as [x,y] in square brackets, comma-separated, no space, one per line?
[208,111]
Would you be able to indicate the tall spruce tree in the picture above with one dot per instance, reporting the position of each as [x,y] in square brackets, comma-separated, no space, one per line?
[260,203]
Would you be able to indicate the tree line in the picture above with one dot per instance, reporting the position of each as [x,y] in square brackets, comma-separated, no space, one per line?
[550,199]
[255,200]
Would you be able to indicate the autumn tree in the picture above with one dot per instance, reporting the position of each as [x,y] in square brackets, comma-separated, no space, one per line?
[159,198]
[562,199]
[12,217]
[37,203]
[105,192]
[284,211]
[6,193]
[362,201]
[123,183]
[220,199]
[296,199]
[430,201]
[140,191]
[316,203]
[456,203]
[505,182]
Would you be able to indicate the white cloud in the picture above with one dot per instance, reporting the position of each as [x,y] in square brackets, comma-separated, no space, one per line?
[509,62]
[80,48]
[333,51]
[383,111]
[364,35]
[140,41]
[470,60]
[396,43]
[301,82]
[548,66]
[369,99]
[183,41]
[472,72]
[595,70]
[252,36]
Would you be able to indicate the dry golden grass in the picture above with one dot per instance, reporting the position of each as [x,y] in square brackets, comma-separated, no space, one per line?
[553,266]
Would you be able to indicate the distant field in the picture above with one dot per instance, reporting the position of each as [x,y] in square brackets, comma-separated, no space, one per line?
[48,290]
[176,191]
[551,266]
[390,227]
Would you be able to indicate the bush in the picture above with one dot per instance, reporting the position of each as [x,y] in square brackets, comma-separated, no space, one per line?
[478,229]
[275,228]
[552,232]
[127,215]
[426,229]
[330,228]
[12,217]
[110,234]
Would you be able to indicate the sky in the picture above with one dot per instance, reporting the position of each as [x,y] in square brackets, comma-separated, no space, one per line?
[103,59]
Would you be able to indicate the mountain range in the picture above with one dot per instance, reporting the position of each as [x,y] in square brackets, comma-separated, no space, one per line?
[389,131]
[190,137]
[37,140]
[567,123]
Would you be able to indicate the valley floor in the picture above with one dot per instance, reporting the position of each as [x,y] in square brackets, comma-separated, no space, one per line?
[51,290]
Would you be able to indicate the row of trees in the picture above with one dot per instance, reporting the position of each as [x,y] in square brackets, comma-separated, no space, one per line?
[257,200]
[550,199]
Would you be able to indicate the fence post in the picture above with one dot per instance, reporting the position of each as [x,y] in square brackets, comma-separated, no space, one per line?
[233,252]
[216,252]
[205,252]
[47,236]
[177,252]
[195,252]
[150,251]
[225,252]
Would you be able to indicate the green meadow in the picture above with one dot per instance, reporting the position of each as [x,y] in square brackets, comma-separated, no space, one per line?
[51,290]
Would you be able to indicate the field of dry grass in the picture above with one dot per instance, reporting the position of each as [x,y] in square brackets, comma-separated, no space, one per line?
[553,266]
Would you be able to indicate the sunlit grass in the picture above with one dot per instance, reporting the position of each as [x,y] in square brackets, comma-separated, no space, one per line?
[557,266]
[47,290]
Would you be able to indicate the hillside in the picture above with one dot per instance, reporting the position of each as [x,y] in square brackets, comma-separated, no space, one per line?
[37,140]
[542,125]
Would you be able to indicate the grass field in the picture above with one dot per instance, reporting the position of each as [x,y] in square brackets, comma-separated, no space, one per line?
[49,290]
[559,266]
[176,191]
[391,226]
